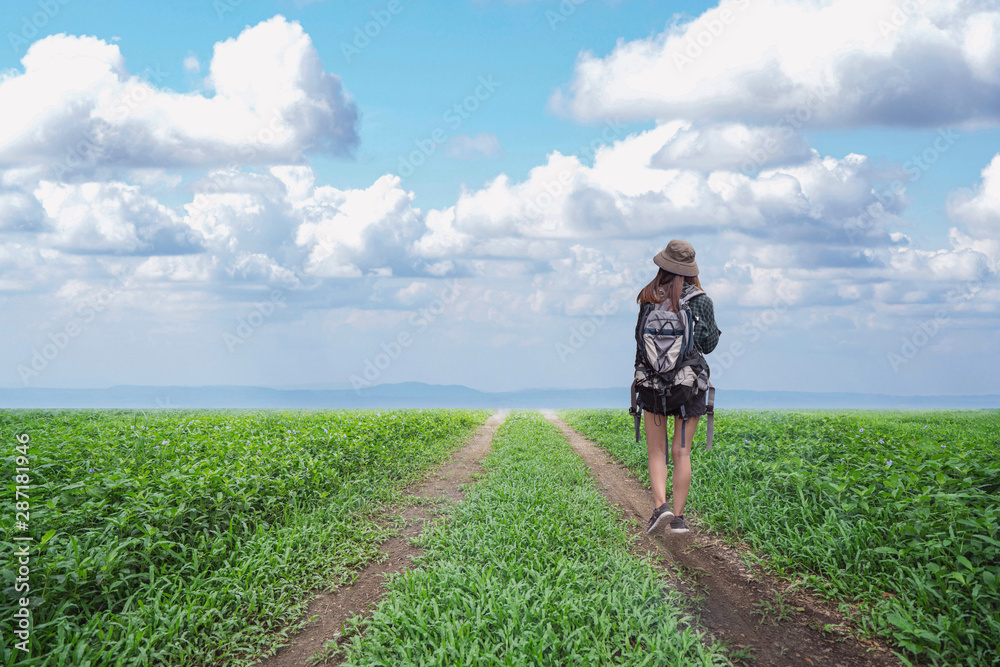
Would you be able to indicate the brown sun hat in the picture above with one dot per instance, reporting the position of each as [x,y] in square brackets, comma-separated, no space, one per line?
[677,257]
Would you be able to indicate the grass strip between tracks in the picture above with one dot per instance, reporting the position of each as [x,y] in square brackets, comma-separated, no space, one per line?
[533,568]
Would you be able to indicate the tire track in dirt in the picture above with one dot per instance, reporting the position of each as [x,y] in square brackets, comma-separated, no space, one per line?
[333,609]
[731,592]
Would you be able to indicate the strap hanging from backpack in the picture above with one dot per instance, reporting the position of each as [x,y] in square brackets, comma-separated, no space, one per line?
[635,410]
[711,416]
[666,440]
[684,421]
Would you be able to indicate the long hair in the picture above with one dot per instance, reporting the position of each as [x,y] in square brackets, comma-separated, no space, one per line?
[666,286]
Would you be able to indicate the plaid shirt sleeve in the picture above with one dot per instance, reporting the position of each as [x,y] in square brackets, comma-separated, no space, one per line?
[706,332]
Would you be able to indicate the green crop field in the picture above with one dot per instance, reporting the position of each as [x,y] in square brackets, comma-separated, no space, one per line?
[195,537]
[185,538]
[894,514]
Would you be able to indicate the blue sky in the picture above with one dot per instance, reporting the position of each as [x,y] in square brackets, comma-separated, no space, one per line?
[320,245]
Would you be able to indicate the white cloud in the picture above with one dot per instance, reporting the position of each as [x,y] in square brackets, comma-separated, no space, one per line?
[733,147]
[758,287]
[179,268]
[25,267]
[413,292]
[20,212]
[988,247]
[562,242]
[837,63]
[235,210]
[981,45]
[979,209]
[110,218]
[911,264]
[767,213]
[626,194]
[345,231]
[78,109]
[463,147]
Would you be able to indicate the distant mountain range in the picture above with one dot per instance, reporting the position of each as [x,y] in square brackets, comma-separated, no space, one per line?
[419,395]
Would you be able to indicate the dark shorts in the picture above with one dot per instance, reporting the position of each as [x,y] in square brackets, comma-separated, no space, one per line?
[695,408]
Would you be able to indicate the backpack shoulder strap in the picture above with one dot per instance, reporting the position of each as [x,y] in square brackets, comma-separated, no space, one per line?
[692,294]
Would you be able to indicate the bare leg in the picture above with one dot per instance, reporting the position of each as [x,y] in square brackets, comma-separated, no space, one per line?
[656,447]
[682,462]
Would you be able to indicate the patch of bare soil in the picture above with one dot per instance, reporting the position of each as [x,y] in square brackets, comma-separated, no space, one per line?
[332,610]
[733,596]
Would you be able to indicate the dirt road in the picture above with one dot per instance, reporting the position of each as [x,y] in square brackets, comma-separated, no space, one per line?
[727,595]
[333,609]
[732,592]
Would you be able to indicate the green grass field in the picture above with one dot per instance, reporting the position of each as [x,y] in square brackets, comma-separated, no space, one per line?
[187,537]
[192,537]
[894,513]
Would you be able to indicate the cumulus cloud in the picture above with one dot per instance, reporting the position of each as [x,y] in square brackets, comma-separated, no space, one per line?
[79,110]
[769,214]
[979,209]
[807,231]
[24,267]
[732,147]
[280,227]
[349,231]
[20,212]
[180,268]
[110,218]
[628,194]
[235,211]
[845,63]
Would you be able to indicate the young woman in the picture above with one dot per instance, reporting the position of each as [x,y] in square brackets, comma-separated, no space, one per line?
[677,276]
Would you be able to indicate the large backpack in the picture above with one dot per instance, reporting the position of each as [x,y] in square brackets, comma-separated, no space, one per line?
[671,373]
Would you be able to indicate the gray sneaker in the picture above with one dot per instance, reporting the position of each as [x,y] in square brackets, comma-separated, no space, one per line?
[679,525]
[659,514]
